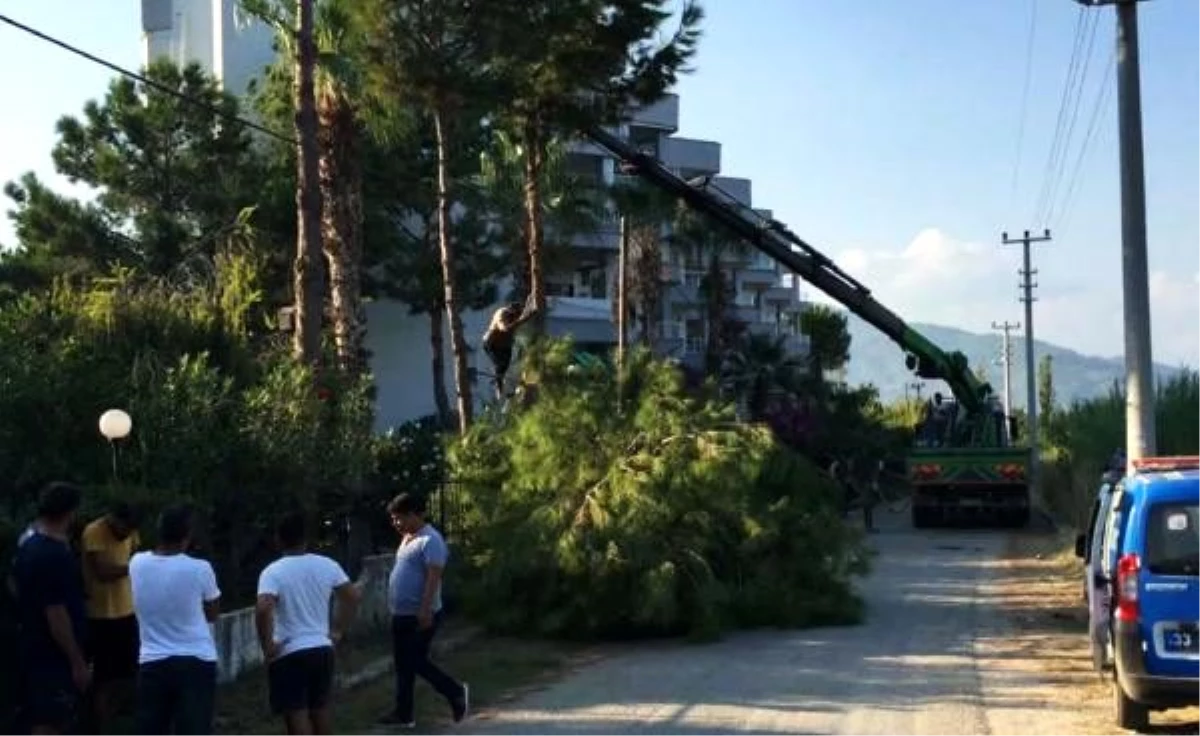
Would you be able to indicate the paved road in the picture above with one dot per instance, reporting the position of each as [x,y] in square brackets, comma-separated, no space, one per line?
[919,665]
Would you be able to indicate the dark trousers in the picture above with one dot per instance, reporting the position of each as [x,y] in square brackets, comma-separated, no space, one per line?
[410,655]
[176,695]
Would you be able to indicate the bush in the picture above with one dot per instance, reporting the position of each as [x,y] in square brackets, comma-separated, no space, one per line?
[1090,430]
[222,415]
[661,517]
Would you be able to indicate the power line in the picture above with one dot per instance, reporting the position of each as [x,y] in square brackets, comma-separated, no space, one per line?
[1062,163]
[1102,97]
[1024,101]
[148,82]
[1060,122]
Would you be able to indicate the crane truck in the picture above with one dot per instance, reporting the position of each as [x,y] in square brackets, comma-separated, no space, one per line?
[963,464]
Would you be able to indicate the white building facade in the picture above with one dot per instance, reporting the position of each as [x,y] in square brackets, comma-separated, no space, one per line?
[237,48]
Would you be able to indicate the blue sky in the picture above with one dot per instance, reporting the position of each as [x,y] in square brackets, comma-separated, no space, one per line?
[883,132]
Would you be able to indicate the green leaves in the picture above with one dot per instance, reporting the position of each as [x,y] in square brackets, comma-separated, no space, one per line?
[660,517]
[170,178]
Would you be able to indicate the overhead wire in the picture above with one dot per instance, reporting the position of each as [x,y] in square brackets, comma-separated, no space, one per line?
[1060,123]
[227,117]
[1052,196]
[1103,95]
[1032,32]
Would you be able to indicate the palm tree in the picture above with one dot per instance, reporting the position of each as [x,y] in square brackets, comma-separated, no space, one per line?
[697,238]
[759,366]
[567,64]
[340,130]
[308,283]
[570,205]
[647,211]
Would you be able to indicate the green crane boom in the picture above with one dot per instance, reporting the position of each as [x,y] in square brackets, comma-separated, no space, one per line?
[773,238]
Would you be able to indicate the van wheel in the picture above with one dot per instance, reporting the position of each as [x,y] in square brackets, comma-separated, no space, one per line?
[1130,714]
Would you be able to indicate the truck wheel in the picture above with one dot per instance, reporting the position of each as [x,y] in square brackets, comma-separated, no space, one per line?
[1130,714]
[1020,518]
[920,518]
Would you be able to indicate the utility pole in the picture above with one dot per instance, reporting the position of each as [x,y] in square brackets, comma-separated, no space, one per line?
[1006,359]
[622,304]
[1027,273]
[1140,439]
[916,386]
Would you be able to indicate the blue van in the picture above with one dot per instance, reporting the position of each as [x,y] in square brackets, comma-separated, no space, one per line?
[1152,545]
[1090,547]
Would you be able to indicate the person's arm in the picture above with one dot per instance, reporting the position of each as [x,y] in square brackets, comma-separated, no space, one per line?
[53,599]
[264,624]
[435,554]
[346,595]
[63,633]
[211,594]
[264,614]
[94,547]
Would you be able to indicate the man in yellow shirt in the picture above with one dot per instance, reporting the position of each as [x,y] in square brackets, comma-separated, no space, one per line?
[108,543]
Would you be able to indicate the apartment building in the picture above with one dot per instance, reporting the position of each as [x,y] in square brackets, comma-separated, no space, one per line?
[236,48]
[765,298]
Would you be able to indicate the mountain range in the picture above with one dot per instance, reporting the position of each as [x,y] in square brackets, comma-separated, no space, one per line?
[877,360]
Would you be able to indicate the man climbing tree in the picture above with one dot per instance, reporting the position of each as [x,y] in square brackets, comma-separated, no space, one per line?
[501,334]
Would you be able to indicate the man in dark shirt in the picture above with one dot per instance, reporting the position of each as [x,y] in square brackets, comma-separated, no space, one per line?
[52,617]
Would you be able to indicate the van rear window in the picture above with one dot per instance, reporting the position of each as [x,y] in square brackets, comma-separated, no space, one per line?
[1173,539]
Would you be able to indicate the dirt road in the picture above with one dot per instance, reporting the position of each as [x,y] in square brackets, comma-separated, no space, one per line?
[938,654]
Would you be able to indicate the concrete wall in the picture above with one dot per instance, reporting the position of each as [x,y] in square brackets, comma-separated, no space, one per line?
[237,641]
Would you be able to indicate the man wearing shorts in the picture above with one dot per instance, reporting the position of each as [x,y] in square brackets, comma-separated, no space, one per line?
[108,543]
[52,616]
[292,619]
[177,599]
[499,338]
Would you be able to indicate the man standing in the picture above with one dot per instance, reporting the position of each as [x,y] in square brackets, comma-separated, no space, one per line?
[292,619]
[51,616]
[108,543]
[175,596]
[415,599]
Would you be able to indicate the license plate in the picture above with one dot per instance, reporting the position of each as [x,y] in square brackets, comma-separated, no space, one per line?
[1181,639]
[970,502]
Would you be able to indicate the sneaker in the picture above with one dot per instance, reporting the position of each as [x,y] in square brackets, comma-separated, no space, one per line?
[393,719]
[460,707]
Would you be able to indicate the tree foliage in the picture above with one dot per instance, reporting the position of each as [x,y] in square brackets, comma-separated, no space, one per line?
[829,337]
[170,177]
[676,520]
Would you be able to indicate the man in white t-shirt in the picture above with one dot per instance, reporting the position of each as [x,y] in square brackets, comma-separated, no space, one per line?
[292,618]
[175,598]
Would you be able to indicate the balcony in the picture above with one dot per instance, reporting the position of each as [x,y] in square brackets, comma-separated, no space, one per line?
[690,157]
[732,188]
[781,295]
[663,114]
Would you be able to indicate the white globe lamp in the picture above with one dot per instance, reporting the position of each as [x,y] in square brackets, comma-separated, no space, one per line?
[115,424]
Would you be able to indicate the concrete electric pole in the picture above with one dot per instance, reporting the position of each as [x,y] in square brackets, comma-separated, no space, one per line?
[1031,414]
[1140,439]
[1006,359]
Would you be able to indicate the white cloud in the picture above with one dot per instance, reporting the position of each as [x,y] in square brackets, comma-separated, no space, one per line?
[946,281]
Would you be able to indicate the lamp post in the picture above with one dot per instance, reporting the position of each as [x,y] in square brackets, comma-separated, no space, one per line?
[115,424]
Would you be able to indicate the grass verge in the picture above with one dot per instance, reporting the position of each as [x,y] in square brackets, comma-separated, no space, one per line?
[498,670]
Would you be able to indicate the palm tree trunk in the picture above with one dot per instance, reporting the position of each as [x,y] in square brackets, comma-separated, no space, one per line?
[438,363]
[341,190]
[534,235]
[458,343]
[307,282]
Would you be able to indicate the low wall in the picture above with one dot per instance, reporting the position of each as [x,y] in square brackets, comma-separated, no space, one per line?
[237,640]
